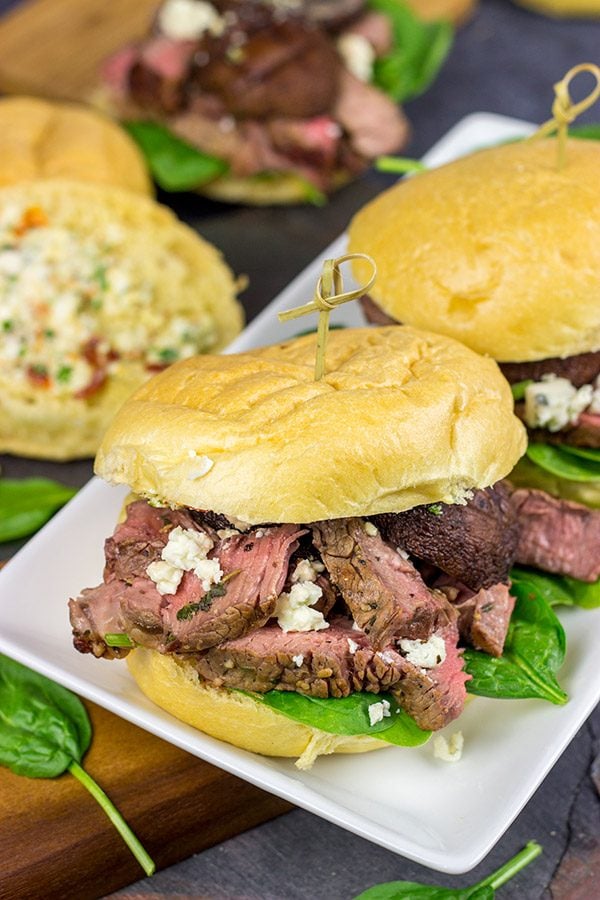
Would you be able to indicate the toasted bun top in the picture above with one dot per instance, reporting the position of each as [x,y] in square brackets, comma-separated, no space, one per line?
[401,418]
[500,250]
[42,139]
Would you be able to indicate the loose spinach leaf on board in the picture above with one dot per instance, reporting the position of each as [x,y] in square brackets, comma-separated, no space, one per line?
[348,716]
[419,49]
[560,590]
[27,503]
[533,652]
[560,462]
[483,890]
[45,731]
[175,164]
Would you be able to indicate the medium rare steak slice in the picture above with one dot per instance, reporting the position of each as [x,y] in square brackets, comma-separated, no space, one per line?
[475,542]
[330,663]
[435,697]
[483,616]
[557,535]
[254,565]
[194,619]
[384,592]
[335,663]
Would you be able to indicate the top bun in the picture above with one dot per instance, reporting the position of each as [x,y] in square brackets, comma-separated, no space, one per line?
[500,250]
[39,139]
[401,418]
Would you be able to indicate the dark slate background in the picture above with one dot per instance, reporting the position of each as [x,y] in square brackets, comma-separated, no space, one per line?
[505,61]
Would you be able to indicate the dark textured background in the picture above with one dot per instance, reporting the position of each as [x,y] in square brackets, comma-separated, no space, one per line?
[505,60]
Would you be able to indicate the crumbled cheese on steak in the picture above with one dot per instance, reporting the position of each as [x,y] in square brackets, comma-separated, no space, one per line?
[554,403]
[185,551]
[424,654]
[378,711]
[293,611]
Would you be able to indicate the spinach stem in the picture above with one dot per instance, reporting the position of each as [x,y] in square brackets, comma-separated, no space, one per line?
[115,817]
[510,869]
[398,165]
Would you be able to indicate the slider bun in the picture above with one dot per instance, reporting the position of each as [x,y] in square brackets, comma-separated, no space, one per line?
[233,716]
[500,250]
[401,418]
[182,274]
[40,139]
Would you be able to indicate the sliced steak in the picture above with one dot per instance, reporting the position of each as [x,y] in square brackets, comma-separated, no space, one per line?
[335,663]
[261,559]
[586,433]
[483,616]
[374,123]
[374,313]
[329,663]
[557,535]
[384,592]
[157,78]
[581,369]
[96,612]
[435,697]
[475,542]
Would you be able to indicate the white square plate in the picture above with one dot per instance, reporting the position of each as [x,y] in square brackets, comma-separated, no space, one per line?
[446,816]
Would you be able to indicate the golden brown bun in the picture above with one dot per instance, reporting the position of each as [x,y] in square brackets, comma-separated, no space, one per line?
[232,716]
[499,250]
[189,279]
[561,8]
[401,418]
[39,139]
[455,11]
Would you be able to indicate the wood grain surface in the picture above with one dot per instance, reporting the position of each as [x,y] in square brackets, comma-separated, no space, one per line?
[54,48]
[55,841]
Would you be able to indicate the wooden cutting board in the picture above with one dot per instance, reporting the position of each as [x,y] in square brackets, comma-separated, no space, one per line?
[54,48]
[55,841]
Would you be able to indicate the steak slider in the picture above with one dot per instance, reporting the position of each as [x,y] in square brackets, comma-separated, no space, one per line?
[267,552]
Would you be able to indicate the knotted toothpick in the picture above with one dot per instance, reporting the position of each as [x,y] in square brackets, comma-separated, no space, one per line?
[564,111]
[329,294]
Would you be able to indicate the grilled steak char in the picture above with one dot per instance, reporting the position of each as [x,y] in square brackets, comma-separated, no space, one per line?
[384,592]
[475,542]
[483,615]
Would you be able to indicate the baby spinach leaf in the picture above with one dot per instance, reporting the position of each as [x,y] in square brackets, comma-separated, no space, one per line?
[399,165]
[583,452]
[560,462]
[589,132]
[560,589]
[348,716]
[27,503]
[533,652]
[483,890]
[45,731]
[519,387]
[175,164]
[418,51]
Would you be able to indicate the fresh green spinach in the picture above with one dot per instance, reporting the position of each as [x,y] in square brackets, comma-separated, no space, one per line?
[563,463]
[348,716]
[534,650]
[483,890]
[418,51]
[518,389]
[45,731]
[175,164]
[560,590]
[27,503]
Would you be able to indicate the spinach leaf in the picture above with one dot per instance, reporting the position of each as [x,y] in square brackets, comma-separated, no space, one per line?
[589,132]
[348,715]
[27,503]
[533,652]
[483,890]
[175,164]
[518,389]
[45,731]
[560,462]
[399,165]
[560,589]
[583,452]
[418,51]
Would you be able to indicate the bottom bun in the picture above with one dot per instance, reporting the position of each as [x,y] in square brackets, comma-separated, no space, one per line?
[269,189]
[527,475]
[233,716]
